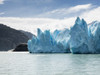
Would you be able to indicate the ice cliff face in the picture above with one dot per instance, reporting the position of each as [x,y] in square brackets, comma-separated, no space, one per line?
[81,38]
[85,39]
[94,35]
[63,37]
[45,43]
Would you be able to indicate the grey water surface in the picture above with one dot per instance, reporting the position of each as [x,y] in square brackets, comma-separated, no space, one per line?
[24,63]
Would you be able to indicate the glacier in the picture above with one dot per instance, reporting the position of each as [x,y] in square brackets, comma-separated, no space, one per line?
[45,43]
[81,38]
[63,37]
[85,38]
[94,35]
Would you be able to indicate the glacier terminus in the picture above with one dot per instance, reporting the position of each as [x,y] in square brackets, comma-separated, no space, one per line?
[81,38]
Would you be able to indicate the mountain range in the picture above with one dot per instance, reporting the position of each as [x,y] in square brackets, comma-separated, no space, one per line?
[10,38]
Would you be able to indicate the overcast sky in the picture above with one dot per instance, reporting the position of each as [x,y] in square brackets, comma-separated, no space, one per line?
[29,15]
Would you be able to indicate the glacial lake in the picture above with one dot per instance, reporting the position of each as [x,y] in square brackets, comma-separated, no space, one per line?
[24,63]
